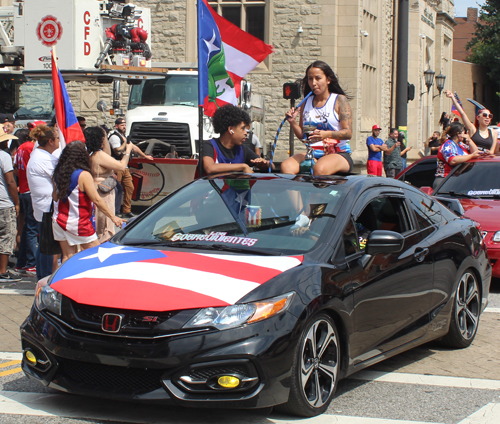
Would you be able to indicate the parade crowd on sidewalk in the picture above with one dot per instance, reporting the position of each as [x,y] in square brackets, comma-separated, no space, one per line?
[85,187]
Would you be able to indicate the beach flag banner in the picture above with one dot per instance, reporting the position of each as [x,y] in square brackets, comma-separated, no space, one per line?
[68,126]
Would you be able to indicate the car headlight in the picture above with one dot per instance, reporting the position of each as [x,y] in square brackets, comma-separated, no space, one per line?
[48,299]
[496,237]
[236,315]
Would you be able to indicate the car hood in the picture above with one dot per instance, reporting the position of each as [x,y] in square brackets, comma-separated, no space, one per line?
[484,211]
[126,277]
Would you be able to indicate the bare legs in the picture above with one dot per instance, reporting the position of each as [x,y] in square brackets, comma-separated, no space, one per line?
[327,165]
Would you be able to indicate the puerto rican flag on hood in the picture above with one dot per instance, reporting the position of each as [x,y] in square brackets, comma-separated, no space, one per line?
[127,277]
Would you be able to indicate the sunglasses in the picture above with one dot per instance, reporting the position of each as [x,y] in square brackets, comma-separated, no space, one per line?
[487,115]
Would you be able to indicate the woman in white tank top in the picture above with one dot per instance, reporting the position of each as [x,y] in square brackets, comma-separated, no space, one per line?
[327,110]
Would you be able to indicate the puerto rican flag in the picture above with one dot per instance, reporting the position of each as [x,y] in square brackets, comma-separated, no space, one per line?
[126,277]
[68,126]
[226,54]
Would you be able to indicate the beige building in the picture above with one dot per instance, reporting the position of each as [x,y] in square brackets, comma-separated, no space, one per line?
[358,38]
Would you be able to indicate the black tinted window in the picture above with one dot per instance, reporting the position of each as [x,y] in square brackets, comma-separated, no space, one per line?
[382,213]
[474,179]
[427,211]
[421,175]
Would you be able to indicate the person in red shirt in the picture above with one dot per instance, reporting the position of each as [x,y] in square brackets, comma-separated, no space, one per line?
[27,246]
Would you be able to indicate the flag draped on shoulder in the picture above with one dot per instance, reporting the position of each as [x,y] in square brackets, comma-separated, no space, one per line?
[226,54]
[69,128]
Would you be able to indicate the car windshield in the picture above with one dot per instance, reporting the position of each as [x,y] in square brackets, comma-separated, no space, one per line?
[262,216]
[169,91]
[475,179]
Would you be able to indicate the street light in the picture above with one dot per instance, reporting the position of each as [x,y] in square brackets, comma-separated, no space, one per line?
[429,78]
[440,82]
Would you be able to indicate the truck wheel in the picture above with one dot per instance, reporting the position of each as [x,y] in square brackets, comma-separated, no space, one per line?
[315,368]
[465,315]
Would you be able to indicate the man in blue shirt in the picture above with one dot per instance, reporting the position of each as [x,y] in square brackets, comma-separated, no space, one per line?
[375,147]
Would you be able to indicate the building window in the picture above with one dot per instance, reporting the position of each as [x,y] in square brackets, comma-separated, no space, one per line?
[249,15]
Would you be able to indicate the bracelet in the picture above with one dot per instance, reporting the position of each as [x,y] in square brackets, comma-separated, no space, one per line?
[126,154]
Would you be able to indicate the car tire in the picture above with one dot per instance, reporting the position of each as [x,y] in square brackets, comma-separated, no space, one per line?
[465,315]
[315,368]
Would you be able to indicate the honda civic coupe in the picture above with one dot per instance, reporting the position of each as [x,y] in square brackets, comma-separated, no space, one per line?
[250,291]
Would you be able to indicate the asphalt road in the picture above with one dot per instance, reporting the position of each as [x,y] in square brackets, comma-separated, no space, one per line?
[428,384]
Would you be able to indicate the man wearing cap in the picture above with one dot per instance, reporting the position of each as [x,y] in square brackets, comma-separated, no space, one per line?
[9,123]
[9,208]
[375,148]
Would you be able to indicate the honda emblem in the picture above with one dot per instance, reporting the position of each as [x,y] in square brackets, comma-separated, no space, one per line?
[111,323]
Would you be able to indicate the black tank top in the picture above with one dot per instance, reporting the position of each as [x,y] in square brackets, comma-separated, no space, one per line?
[483,143]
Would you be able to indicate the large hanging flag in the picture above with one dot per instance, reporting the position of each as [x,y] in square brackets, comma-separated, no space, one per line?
[68,126]
[226,54]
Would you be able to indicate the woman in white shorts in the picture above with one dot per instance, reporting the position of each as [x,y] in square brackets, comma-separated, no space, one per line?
[74,193]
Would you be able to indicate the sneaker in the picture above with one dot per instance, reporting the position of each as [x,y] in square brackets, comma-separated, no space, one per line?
[9,277]
[127,215]
[20,270]
[30,270]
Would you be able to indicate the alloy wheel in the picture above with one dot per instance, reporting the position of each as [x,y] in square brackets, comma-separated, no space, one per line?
[319,366]
[468,305]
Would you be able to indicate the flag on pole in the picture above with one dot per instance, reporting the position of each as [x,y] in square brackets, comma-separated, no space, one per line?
[453,108]
[226,54]
[68,126]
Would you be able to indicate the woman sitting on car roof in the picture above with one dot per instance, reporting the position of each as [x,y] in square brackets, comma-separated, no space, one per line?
[227,153]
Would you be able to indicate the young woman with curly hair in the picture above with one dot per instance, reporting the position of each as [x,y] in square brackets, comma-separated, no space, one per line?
[328,117]
[74,192]
[227,153]
[103,166]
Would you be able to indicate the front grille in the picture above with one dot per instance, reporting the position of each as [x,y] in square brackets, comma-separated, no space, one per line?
[206,373]
[88,317]
[108,377]
[174,133]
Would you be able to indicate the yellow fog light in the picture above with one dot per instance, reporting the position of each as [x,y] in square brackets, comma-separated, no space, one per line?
[31,358]
[229,381]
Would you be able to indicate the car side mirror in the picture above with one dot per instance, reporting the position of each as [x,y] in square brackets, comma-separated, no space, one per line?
[381,241]
[426,190]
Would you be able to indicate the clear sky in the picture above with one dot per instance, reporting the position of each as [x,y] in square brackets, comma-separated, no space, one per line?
[462,5]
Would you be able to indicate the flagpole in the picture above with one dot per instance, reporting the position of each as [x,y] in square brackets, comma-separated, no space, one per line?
[200,100]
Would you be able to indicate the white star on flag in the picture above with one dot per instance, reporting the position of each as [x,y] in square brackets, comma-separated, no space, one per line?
[211,46]
[104,253]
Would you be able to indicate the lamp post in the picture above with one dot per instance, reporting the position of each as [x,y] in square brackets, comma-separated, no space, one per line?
[429,78]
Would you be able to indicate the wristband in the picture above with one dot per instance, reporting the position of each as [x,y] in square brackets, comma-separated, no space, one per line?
[126,154]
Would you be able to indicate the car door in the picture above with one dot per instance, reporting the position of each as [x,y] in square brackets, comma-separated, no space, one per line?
[392,292]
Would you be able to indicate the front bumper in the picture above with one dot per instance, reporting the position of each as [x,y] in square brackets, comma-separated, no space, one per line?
[182,369]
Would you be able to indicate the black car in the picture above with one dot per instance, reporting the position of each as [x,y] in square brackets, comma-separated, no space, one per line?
[248,291]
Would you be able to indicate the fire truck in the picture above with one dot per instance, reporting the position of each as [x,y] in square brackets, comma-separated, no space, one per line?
[107,42]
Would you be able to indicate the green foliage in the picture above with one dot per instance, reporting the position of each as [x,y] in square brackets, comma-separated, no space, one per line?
[485,46]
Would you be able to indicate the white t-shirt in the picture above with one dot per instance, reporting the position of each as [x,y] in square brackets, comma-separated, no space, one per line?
[5,167]
[39,173]
[115,141]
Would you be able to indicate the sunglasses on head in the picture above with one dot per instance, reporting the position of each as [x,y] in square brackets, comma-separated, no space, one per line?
[487,115]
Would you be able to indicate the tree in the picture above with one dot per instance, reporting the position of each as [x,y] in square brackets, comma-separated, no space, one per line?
[485,46]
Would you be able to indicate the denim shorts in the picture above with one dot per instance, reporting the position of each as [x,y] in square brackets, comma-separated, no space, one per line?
[8,230]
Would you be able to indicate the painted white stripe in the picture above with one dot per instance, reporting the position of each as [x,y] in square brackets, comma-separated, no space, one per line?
[492,310]
[237,62]
[343,419]
[209,284]
[281,264]
[11,356]
[17,291]
[427,380]
[488,414]
[63,405]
